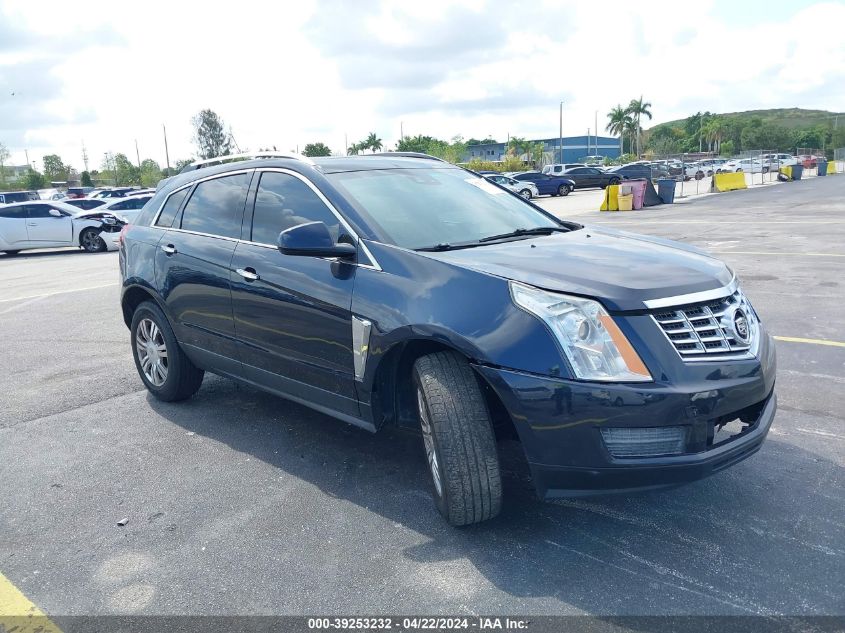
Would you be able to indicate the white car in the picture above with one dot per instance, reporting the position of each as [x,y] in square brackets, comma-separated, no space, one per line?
[776,161]
[54,224]
[748,165]
[527,190]
[125,209]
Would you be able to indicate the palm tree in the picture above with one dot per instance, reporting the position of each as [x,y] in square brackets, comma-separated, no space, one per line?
[617,118]
[629,129]
[714,131]
[373,142]
[637,108]
[354,149]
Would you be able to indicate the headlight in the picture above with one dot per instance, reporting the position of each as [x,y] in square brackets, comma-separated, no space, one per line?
[594,345]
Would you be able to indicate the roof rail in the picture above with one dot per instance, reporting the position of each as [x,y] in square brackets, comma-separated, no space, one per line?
[407,155]
[219,160]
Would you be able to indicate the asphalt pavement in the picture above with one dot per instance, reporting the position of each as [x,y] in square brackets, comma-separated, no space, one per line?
[237,502]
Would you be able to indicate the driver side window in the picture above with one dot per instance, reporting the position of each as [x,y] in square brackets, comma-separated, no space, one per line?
[284,201]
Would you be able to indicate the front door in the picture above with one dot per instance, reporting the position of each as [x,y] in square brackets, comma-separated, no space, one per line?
[45,228]
[292,314]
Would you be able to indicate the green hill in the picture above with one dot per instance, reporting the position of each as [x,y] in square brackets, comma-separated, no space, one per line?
[790,118]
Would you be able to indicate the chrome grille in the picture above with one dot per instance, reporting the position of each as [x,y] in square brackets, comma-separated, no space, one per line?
[706,331]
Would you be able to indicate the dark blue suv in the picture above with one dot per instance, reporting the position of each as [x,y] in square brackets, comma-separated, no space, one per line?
[401,290]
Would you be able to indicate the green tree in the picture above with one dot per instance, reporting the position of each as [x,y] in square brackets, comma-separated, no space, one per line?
[85,179]
[180,164]
[33,180]
[210,135]
[54,168]
[417,143]
[373,142]
[125,172]
[487,141]
[637,109]
[150,172]
[317,149]
[4,156]
[617,120]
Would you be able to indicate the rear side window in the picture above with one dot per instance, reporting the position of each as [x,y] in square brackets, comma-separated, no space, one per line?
[13,212]
[171,208]
[284,201]
[216,207]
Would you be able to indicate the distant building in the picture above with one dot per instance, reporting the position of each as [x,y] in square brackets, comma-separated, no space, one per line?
[574,149]
[15,172]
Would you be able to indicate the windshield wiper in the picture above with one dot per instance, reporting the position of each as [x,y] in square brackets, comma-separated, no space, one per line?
[540,230]
[444,246]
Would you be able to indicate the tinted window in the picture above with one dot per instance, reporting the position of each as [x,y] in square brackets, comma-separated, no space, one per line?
[216,206]
[284,201]
[38,210]
[578,170]
[121,206]
[171,208]
[14,212]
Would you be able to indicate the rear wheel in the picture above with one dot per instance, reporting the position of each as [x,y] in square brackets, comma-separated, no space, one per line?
[91,241]
[164,368]
[11,253]
[458,438]
[614,181]
[563,190]
[526,193]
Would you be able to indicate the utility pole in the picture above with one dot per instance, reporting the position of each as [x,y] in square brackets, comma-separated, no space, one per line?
[138,158]
[597,131]
[401,131]
[84,156]
[588,141]
[345,145]
[166,154]
[28,165]
[560,136]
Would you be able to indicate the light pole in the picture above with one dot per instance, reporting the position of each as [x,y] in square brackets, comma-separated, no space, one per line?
[560,136]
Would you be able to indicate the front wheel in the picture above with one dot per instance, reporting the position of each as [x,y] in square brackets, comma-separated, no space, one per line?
[526,193]
[458,438]
[11,253]
[165,370]
[91,241]
[563,190]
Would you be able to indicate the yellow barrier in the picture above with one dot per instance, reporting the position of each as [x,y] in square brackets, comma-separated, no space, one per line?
[611,199]
[729,182]
[787,171]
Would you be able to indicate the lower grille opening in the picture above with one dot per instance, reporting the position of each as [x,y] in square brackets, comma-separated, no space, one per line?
[730,427]
[645,442]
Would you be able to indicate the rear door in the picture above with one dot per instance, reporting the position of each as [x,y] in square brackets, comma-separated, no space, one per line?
[192,266]
[13,228]
[44,228]
[293,314]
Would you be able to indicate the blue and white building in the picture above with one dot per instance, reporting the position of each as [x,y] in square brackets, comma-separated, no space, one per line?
[574,149]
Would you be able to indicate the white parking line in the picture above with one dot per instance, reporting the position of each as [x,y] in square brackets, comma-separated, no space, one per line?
[58,292]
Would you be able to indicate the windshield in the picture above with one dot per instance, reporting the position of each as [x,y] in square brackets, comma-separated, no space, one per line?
[419,208]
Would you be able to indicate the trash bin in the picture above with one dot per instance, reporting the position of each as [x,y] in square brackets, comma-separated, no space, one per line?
[821,168]
[626,203]
[638,186]
[666,190]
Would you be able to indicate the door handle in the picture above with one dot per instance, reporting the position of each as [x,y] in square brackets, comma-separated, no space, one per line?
[169,249]
[248,273]
[32,224]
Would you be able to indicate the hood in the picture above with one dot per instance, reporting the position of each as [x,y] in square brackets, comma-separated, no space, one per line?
[619,269]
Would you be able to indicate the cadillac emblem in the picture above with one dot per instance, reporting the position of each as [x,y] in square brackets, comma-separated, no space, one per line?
[740,327]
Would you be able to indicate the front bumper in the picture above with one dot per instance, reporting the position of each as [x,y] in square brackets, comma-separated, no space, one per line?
[559,423]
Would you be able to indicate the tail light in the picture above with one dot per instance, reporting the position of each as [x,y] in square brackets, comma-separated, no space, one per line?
[122,235]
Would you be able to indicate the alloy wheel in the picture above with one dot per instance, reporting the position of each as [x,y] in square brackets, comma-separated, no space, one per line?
[151,351]
[428,441]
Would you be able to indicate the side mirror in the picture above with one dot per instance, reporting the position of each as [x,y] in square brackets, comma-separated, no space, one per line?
[55,213]
[313,240]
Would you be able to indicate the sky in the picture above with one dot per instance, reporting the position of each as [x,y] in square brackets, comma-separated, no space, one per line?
[107,74]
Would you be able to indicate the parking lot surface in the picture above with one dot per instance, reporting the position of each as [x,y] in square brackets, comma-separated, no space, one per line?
[237,502]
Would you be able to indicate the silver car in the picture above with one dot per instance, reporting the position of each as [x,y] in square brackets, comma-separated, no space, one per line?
[527,190]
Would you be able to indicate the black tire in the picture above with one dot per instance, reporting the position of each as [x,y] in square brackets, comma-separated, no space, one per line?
[183,377]
[461,436]
[563,190]
[614,181]
[90,241]
[11,253]
[526,193]
[739,171]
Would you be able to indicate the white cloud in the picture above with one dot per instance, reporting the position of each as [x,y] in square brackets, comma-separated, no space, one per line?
[285,74]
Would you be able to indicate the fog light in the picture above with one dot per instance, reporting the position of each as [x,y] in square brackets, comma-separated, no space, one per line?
[645,442]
